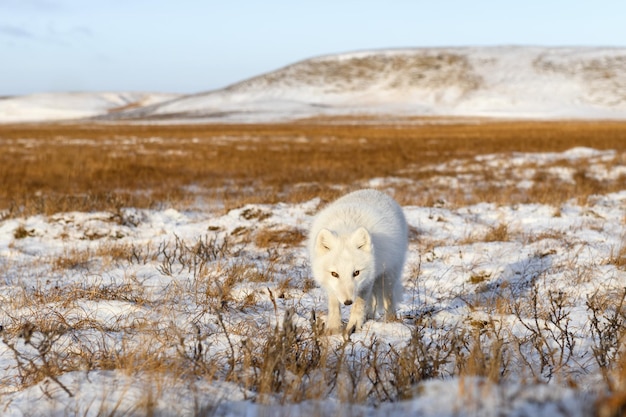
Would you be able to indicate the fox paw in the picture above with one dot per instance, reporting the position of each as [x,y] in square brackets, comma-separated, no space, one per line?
[333,327]
[350,330]
[354,326]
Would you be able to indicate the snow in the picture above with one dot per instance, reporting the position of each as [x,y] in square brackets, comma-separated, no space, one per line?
[69,106]
[500,82]
[451,269]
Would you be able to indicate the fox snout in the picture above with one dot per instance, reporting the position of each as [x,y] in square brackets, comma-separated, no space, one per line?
[348,302]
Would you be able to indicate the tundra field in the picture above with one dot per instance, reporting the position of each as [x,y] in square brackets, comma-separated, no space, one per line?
[156,270]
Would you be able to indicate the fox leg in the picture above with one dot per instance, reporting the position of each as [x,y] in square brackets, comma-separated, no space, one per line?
[360,311]
[386,295]
[333,320]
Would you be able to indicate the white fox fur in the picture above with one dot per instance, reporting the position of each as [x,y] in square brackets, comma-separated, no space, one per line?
[357,247]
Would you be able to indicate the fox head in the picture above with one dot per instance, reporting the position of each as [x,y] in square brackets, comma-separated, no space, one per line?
[344,262]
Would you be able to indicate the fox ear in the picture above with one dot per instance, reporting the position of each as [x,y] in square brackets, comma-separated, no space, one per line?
[361,239]
[325,241]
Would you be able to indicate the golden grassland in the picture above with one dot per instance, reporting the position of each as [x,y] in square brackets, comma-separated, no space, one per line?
[47,168]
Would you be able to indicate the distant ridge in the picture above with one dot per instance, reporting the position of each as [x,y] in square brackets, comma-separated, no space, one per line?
[521,82]
[506,81]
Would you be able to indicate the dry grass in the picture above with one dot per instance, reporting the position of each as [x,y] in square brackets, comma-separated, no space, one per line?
[60,167]
[357,73]
[272,238]
[619,259]
[73,259]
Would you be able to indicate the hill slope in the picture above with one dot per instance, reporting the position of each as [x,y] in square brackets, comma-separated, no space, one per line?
[530,82]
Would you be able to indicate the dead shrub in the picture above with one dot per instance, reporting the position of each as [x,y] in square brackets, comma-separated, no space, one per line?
[607,314]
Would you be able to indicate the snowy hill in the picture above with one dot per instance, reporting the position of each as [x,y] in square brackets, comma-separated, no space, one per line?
[67,106]
[518,82]
[527,82]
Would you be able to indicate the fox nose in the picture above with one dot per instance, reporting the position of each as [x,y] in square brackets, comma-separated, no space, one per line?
[348,302]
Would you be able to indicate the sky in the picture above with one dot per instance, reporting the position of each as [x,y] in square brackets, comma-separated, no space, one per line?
[191,46]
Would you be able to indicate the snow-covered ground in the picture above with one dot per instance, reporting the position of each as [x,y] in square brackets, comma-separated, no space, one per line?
[68,106]
[509,82]
[120,300]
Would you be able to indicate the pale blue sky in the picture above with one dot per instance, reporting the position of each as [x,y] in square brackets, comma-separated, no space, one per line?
[188,46]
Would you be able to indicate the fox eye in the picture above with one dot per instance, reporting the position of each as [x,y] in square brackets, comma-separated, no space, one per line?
[334,274]
[356,273]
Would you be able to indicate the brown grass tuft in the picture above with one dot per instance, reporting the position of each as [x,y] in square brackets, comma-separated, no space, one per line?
[619,259]
[21,232]
[270,238]
[73,259]
[498,233]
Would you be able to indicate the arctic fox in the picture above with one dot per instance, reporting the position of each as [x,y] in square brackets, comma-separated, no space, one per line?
[357,246]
